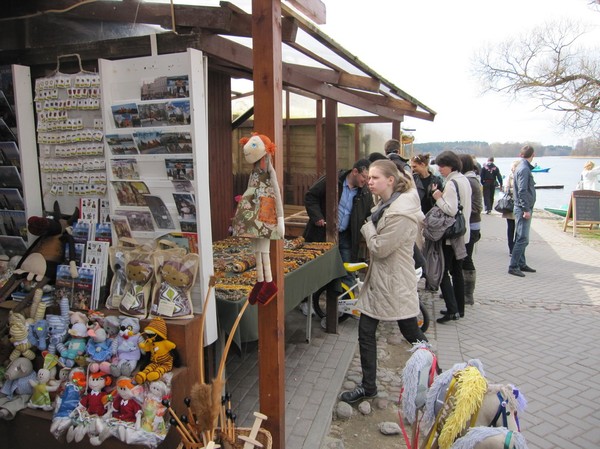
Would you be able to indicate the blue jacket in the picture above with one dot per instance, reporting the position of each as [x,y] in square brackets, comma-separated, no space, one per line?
[524,186]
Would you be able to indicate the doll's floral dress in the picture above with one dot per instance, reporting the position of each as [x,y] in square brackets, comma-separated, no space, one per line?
[256,215]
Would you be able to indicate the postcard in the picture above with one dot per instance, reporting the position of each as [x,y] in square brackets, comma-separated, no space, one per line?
[131,193]
[13,223]
[165,87]
[159,211]
[139,220]
[121,226]
[153,114]
[177,142]
[121,144]
[126,115]
[180,169]
[10,177]
[11,199]
[183,186]
[124,169]
[186,208]
[150,142]
[179,112]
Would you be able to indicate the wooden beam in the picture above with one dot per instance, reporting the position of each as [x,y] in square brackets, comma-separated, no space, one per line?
[268,84]
[313,9]
[342,79]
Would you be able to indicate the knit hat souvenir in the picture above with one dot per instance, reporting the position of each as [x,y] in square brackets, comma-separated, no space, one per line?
[158,326]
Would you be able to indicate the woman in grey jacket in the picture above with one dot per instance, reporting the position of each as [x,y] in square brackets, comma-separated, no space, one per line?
[390,289]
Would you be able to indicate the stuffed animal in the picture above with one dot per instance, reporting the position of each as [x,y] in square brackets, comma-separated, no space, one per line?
[99,350]
[140,273]
[259,213]
[38,334]
[124,406]
[153,409]
[19,337]
[40,397]
[111,325]
[126,348]
[160,349]
[58,326]
[74,347]
[175,277]
[16,390]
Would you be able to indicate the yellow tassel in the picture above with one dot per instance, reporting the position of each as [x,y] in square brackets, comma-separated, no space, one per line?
[468,396]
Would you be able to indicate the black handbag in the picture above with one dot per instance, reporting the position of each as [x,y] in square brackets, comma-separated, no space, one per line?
[505,204]
[459,228]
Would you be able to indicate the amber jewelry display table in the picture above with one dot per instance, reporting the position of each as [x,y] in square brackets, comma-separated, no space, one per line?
[300,282]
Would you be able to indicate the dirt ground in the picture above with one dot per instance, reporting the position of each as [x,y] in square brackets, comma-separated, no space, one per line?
[362,431]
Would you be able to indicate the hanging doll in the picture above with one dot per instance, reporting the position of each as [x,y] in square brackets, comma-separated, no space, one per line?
[160,349]
[259,213]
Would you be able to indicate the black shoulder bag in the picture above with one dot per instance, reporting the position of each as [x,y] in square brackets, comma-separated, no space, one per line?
[459,228]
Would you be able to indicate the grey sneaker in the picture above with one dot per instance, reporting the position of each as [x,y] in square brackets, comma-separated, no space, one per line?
[356,395]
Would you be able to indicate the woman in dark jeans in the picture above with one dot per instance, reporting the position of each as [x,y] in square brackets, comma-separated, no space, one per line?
[469,273]
[509,216]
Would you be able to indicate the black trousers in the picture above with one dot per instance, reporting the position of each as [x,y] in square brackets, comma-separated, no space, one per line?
[488,196]
[453,290]
[367,343]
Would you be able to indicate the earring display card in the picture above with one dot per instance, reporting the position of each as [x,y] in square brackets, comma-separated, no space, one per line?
[70,134]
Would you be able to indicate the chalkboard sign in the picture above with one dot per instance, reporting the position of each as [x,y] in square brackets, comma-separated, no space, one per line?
[584,209]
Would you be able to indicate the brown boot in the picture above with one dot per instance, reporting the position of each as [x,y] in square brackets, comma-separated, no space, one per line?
[469,276]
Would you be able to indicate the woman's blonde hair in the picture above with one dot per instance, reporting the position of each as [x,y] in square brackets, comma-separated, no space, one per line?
[388,168]
[589,165]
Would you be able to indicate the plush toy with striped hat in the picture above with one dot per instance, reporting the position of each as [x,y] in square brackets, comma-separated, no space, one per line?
[160,349]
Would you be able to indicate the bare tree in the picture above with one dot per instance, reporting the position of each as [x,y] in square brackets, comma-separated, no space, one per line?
[552,65]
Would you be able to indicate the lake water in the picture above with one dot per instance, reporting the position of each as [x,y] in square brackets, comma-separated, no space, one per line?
[565,171]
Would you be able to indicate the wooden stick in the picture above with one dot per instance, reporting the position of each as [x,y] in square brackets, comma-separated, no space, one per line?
[166,403]
[230,339]
[173,422]
[211,283]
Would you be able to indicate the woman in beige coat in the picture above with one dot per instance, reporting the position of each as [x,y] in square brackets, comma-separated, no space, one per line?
[390,289]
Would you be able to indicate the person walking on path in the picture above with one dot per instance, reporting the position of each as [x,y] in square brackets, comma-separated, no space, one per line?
[424,179]
[524,190]
[389,292]
[490,177]
[510,216]
[469,272]
[589,176]
[453,290]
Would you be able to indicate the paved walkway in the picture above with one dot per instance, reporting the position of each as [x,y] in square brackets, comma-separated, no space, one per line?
[540,333]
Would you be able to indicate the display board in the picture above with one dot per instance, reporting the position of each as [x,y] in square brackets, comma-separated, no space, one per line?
[156,147]
[19,174]
[583,211]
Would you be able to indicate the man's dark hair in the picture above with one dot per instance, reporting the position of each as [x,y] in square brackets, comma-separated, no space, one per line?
[376,156]
[527,151]
[448,159]
[392,146]
[362,165]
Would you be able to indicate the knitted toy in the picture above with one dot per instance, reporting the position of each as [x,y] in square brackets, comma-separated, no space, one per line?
[259,214]
[58,325]
[19,337]
[160,349]
[125,347]
[99,350]
[41,386]
[175,277]
[16,390]
[68,401]
[74,347]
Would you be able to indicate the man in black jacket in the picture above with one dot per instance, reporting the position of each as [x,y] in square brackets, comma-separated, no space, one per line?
[354,206]
[490,175]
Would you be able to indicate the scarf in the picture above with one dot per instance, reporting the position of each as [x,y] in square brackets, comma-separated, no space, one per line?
[375,216]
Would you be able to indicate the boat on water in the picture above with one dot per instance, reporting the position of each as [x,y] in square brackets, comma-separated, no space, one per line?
[562,211]
[538,169]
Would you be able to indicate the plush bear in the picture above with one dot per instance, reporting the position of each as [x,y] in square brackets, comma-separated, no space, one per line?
[125,347]
[160,349]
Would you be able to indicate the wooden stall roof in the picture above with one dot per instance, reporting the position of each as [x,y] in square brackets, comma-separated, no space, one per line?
[35,32]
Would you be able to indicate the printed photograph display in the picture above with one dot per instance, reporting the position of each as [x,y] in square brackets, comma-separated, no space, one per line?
[179,112]
[131,193]
[180,169]
[121,226]
[121,144]
[183,186]
[153,114]
[150,142]
[177,142]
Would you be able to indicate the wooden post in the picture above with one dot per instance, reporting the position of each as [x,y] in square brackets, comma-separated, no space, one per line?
[331,199]
[266,56]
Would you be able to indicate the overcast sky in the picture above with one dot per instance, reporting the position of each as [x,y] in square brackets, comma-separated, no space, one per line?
[425,48]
